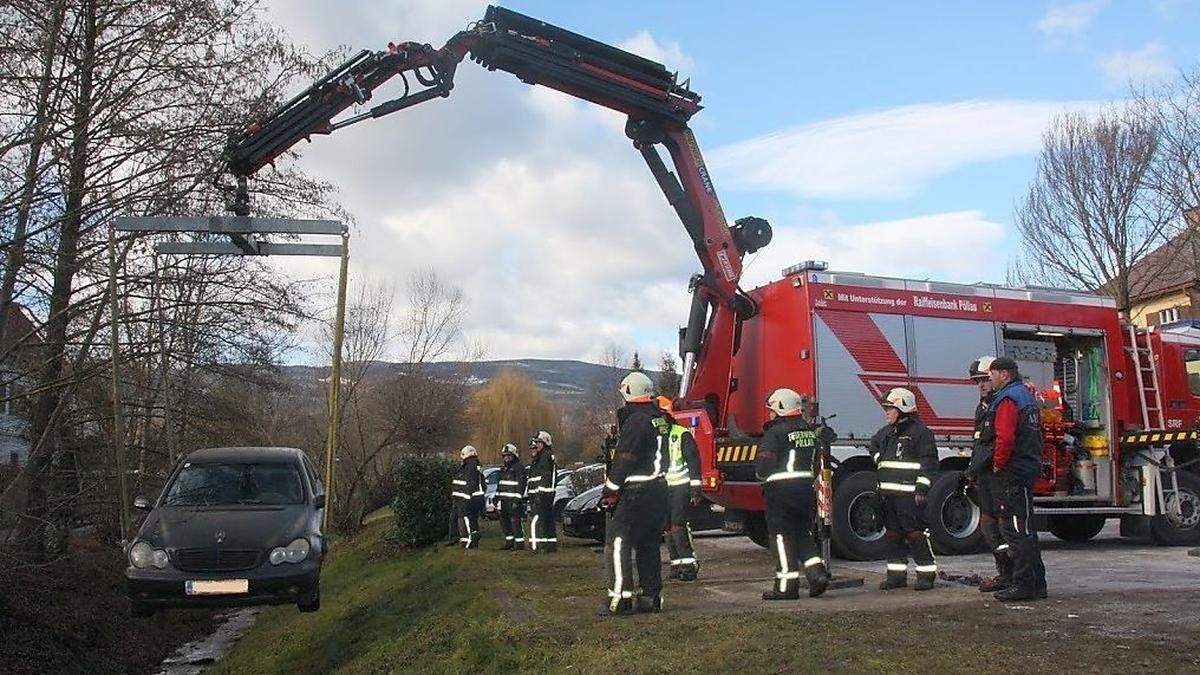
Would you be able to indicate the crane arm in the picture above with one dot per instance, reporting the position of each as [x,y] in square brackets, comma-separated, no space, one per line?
[658,108]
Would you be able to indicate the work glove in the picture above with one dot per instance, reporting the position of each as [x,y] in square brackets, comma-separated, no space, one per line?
[696,498]
[609,499]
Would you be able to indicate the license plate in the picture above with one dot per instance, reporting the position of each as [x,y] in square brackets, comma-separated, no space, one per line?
[217,587]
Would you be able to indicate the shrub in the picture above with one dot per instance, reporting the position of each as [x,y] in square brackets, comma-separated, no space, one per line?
[422,501]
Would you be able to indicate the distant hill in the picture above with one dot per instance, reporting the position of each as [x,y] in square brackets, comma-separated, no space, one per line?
[555,378]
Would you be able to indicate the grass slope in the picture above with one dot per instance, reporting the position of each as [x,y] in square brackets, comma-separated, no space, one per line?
[488,611]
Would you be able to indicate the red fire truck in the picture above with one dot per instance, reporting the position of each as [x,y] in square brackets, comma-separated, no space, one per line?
[1121,402]
[1128,401]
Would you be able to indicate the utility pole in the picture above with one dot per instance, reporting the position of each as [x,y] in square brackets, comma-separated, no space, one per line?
[118,433]
[335,383]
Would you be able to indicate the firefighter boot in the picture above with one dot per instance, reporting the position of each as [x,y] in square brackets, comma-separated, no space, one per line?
[924,581]
[897,576]
[1003,578]
[508,545]
[674,572]
[624,607]
[648,604]
[818,580]
[776,594]
[1018,594]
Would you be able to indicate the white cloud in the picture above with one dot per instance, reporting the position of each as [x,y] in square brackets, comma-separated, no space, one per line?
[531,201]
[670,54]
[949,246]
[888,154]
[1148,65]
[1069,20]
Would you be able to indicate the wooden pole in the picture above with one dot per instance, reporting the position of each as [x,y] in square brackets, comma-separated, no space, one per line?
[335,383]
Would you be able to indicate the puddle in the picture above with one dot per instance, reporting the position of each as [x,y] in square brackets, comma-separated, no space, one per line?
[194,657]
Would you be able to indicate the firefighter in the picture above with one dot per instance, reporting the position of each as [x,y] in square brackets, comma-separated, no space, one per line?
[785,462]
[540,484]
[636,491]
[983,482]
[466,492]
[683,491]
[510,491]
[906,462]
[1015,420]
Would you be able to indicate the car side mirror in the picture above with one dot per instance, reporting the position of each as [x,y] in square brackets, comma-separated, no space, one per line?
[141,503]
[319,501]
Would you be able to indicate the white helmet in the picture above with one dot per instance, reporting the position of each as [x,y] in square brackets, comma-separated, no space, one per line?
[468,451]
[510,449]
[980,367]
[785,402]
[544,437]
[636,388]
[901,399]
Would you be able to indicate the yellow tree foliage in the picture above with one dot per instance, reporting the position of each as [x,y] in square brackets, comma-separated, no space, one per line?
[510,409]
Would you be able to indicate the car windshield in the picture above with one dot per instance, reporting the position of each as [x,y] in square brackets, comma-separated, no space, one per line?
[225,484]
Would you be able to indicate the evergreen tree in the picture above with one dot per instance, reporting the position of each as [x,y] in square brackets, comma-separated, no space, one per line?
[637,364]
[668,379]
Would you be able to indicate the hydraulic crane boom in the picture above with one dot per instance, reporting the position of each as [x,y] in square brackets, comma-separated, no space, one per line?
[657,106]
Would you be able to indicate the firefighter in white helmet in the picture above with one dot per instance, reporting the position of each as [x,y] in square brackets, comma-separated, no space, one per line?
[786,463]
[636,491]
[906,463]
[510,495]
[466,491]
[540,484]
[984,486]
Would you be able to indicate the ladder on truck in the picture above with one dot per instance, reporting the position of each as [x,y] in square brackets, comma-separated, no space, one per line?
[1146,373]
[1150,399]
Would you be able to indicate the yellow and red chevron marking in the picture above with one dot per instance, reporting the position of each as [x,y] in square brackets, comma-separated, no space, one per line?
[1157,437]
[743,452]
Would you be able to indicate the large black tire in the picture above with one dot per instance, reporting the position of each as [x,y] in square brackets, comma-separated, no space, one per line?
[857,520]
[1186,532]
[755,527]
[311,601]
[1076,528]
[953,519]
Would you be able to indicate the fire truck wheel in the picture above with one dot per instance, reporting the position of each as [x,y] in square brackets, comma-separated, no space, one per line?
[1075,528]
[1184,530]
[953,519]
[756,528]
[857,522]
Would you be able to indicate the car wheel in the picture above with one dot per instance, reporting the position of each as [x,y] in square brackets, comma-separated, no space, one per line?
[311,601]
[857,521]
[953,518]
[141,610]
[1184,529]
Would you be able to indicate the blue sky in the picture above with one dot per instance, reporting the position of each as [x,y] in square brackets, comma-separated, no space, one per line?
[887,137]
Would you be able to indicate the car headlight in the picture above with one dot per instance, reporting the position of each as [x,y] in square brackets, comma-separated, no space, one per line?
[294,552]
[143,555]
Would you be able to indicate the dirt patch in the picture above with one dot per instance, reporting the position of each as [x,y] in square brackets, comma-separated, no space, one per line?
[72,616]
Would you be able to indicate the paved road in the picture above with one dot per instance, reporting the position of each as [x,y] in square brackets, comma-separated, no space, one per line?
[1105,564]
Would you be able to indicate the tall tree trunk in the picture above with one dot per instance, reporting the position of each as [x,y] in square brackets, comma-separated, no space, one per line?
[65,267]
[42,118]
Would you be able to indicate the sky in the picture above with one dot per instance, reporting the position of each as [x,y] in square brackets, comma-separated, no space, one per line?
[882,137]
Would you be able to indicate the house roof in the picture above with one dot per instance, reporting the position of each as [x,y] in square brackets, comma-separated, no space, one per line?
[19,326]
[1174,265]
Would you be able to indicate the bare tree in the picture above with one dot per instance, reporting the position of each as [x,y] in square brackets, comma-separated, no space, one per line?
[1090,213]
[1173,111]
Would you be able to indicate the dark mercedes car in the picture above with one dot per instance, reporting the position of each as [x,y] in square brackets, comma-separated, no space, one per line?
[234,526]
[584,519]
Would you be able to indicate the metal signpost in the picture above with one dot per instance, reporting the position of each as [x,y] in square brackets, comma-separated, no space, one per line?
[244,234]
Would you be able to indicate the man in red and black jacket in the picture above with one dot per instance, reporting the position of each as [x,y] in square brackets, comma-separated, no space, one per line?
[1016,459]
